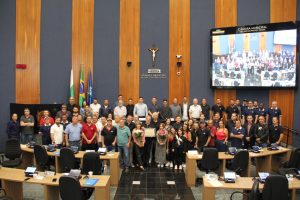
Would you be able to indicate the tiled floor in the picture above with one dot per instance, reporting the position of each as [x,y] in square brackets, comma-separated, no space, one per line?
[154,183]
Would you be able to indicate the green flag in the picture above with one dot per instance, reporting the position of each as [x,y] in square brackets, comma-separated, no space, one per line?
[71,84]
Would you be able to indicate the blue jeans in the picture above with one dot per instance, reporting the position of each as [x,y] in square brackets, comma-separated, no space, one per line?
[26,138]
[124,156]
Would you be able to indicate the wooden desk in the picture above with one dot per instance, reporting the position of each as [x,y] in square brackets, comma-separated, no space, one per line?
[242,183]
[28,160]
[13,185]
[266,160]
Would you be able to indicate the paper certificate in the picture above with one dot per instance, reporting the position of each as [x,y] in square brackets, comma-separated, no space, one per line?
[149,132]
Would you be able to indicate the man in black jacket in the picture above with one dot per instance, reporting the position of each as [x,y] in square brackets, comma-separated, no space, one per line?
[261,132]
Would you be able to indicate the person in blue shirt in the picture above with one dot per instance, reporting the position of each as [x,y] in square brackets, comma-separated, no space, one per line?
[250,110]
[273,111]
[237,135]
[13,128]
[260,111]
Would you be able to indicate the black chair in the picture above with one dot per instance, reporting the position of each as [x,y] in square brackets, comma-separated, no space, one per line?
[240,162]
[276,187]
[253,195]
[92,162]
[67,160]
[41,157]
[210,160]
[292,165]
[13,153]
[69,188]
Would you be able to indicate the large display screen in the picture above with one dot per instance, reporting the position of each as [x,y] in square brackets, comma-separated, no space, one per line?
[262,55]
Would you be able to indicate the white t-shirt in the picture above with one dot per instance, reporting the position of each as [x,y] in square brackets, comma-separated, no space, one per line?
[95,107]
[185,112]
[58,132]
[195,111]
[100,127]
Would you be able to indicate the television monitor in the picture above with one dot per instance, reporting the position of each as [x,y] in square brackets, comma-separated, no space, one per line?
[263,55]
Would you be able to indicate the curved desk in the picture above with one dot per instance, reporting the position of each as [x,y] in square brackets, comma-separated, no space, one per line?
[28,160]
[13,185]
[266,161]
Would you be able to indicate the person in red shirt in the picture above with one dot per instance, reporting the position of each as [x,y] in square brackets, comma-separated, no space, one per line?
[89,135]
[43,118]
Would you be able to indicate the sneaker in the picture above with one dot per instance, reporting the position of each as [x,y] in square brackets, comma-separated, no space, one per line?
[105,167]
[126,170]
[142,168]
[180,167]
[175,167]
[171,165]
[183,165]
[132,166]
[158,165]
[168,164]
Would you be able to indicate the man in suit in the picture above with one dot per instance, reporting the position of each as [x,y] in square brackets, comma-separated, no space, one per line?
[249,126]
[185,107]
[105,109]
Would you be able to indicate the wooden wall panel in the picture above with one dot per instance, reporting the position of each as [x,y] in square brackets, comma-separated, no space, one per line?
[129,49]
[82,40]
[28,16]
[225,15]
[283,10]
[179,44]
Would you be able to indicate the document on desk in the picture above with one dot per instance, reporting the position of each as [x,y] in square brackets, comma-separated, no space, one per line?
[215,183]
[91,182]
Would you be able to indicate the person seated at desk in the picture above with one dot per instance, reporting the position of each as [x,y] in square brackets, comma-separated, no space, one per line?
[57,132]
[89,135]
[203,137]
[275,132]
[261,132]
[45,132]
[237,135]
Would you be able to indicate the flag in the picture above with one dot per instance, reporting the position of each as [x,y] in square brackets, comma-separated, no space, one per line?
[71,84]
[81,88]
[90,94]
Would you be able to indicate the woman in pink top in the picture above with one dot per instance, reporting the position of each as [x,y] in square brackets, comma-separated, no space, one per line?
[138,135]
[221,137]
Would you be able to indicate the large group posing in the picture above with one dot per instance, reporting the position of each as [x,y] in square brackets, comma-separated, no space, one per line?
[152,134]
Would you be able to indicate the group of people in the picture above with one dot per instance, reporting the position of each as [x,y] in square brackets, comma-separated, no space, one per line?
[152,134]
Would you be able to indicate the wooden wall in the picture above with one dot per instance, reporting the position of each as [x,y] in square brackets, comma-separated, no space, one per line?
[129,79]
[283,10]
[82,39]
[179,44]
[28,17]
[225,15]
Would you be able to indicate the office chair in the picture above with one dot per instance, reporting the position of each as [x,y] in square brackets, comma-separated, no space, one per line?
[276,187]
[67,160]
[92,162]
[209,162]
[69,188]
[13,153]
[240,162]
[292,165]
[41,157]
[253,195]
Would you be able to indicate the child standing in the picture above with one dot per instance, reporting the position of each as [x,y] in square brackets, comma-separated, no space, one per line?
[179,146]
[161,144]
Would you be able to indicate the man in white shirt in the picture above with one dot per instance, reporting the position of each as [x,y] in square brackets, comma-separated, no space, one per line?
[185,106]
[195,110]
[140,109]
[57,132]
[100,125]
[120,110]
[95,106]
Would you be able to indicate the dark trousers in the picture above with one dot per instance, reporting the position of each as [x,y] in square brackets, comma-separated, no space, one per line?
[170,155]
[46,139]
[179,156]
[89,147]
[149,145]
[139,151]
